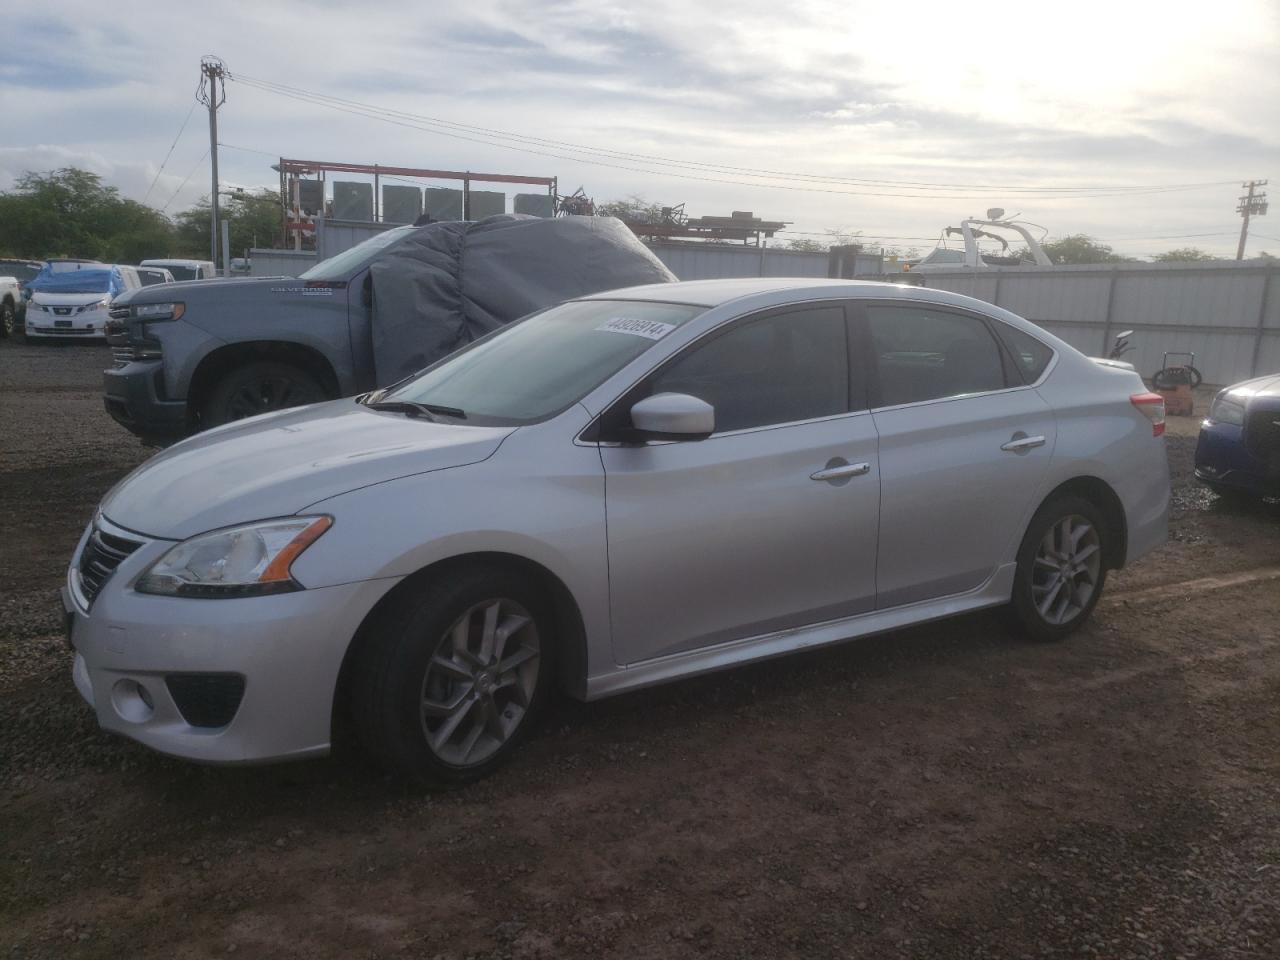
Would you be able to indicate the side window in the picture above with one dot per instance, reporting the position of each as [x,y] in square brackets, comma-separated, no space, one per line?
[929,354]
[779,369]
[1030,356]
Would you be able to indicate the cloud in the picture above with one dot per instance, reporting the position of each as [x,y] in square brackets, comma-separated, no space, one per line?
[1104,94]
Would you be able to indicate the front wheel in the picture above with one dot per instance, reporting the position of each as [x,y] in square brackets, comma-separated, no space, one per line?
[450,678]
[259,387]
[1060,571]
[8,319]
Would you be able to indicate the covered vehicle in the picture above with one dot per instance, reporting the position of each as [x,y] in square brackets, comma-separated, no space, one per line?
[74,303]
[1238,453]
[188,356]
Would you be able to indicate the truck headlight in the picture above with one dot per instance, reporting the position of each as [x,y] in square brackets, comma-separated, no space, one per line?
[245,561]
[1225,410]
[159,311]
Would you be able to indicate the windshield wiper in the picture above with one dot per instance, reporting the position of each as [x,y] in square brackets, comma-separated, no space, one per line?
[413,409]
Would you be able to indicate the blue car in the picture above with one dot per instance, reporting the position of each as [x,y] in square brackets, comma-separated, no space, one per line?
[1239,448]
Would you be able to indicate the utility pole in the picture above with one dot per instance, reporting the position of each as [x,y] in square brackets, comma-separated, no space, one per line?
[213,94]
[1253,203]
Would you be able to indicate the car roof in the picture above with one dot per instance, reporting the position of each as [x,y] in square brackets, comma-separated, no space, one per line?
[175,262]
[713,293]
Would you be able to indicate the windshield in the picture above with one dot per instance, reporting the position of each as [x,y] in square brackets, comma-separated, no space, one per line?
[341,267]
[78,281]
[539,366]
[181,273]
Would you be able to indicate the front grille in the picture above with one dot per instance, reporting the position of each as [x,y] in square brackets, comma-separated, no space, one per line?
[118,313]
[1262,432]
[206,699]
[122,356]
[101,555]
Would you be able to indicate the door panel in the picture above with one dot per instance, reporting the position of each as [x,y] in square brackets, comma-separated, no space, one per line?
[953,502]
[730,537]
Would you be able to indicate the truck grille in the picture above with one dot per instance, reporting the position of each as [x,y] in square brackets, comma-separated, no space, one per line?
[118,313]
[101,555]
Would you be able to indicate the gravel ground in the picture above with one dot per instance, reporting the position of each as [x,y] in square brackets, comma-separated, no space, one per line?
[947,791]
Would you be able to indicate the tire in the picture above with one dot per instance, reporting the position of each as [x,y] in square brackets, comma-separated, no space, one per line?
[259,387]
[8,319]
[1040,564]
[429,697]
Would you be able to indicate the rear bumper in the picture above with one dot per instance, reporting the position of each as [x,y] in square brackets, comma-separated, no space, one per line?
[133,396]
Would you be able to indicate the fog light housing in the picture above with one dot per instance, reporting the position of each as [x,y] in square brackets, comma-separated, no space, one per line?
[131,701]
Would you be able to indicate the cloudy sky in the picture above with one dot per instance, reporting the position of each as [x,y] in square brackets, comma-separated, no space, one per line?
[893,119]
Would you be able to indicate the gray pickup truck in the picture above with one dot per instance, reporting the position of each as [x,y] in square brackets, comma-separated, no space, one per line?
[192,355]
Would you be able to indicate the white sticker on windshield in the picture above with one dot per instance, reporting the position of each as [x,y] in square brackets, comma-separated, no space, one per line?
[650,329]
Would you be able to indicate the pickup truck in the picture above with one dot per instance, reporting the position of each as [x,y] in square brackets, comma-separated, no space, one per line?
[192,355]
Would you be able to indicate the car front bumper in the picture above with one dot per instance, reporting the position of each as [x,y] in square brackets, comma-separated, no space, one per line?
[133,395]
[1224,458]
[283,653]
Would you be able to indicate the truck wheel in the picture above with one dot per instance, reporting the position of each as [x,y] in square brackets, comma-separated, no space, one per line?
[259,387]
[8,319]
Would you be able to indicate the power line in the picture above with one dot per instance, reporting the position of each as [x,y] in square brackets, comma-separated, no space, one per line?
[199,162]
[494,138]
[170,153]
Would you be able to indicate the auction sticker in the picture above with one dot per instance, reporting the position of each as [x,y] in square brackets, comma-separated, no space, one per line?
[649,329]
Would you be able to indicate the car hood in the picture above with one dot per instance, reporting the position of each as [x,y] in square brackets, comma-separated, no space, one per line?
[277,464]
[1257,388]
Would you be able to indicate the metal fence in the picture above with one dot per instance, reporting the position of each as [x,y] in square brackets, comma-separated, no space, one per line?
[1227,314]
[705,261]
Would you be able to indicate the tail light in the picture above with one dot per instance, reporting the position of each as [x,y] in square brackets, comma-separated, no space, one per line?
[1151,405]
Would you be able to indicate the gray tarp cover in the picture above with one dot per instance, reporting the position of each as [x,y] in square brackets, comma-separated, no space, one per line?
[446,284]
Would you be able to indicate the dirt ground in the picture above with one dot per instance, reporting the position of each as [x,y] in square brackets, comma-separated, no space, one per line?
[947,791]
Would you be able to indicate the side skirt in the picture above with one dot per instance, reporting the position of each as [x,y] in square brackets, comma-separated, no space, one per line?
[996,591]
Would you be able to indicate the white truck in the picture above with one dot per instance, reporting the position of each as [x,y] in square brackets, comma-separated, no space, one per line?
[10,300]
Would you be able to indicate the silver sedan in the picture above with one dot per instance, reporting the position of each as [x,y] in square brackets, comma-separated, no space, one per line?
[618,491]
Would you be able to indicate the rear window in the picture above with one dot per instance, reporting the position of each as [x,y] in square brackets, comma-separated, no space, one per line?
[1030,356]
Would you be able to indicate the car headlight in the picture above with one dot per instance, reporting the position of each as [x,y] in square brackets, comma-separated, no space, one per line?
[245,561]
[159,311]
[98,304]
[1225,410]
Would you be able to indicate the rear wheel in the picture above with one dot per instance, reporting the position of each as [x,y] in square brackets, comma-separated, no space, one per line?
[1061,571]
[449,680]
[260,387]
[8,319]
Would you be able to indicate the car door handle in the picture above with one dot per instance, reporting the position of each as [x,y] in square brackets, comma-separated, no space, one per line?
[841,471]
[1021,444]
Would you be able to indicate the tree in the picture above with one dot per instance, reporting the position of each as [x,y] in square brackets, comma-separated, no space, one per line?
[1183,255]
[254,219]
[1080,248]
[70,213]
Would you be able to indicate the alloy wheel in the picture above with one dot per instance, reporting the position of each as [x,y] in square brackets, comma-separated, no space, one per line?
[1067,567]
[480,682]
[8,319]
[269,393]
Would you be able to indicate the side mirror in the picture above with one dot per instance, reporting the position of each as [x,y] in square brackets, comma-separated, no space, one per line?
[673,416]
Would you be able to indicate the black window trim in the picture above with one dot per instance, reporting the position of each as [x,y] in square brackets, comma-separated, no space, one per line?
[601,433]
[1014,379]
